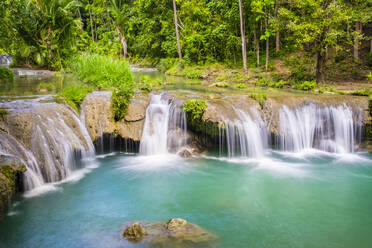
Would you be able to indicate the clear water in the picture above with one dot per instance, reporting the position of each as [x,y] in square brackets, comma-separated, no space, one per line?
[308,199]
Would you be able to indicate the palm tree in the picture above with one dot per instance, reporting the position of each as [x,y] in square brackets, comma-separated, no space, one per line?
[119,10]
[58,27]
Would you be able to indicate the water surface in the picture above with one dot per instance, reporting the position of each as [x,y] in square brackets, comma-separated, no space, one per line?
[308,199]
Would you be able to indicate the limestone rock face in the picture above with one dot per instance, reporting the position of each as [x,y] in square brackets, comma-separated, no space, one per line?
[173,233]
[98,111]
[11,174]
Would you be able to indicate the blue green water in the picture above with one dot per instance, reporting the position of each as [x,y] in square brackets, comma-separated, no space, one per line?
[285,200]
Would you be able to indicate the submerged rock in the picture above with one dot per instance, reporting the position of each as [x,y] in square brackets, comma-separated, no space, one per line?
[135,232]
[173,233]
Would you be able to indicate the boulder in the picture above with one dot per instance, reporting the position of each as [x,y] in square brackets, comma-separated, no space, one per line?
[135,232]
[173,233]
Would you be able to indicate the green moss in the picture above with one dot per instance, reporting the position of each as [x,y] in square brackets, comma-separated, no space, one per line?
[259,97]
[364,92]
[74,95]
[9,173]
[3,112]
[195,108]
[6,73]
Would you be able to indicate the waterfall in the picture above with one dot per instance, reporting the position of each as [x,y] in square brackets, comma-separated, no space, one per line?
[5,59]
[332,129]
[58,140]
[165,128]
[246,136]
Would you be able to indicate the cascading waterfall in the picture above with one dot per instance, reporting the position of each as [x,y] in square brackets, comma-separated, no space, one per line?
[165,127]
[245,137]
[332,129]
[58,141]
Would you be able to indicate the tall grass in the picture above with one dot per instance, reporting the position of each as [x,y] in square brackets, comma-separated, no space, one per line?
[102,71]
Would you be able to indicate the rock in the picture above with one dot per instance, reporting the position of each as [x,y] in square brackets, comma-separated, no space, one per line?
[176,223]
[99,116]
[173,233]
[185,153]
[135,232]
[11,174]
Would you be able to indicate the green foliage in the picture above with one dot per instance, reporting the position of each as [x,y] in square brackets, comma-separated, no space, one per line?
[301,68]
[195,108]
[267,82]
[369,76]
[102,71]
[325,89]
[364,92]
[6,74]
[120,100]
[3,113]
[74,95]
[306,85]
[369,59]
[46,87]
[260,97]
[240,86]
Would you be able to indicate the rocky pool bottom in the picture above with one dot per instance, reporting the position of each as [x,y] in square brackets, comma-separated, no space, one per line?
[307,199]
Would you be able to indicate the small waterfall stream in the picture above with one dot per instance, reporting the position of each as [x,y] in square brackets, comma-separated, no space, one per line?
[165,127]
[57,143]
[331,129]
[246,136]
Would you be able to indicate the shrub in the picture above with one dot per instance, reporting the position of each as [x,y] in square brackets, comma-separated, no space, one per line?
[259,97]
[6,73]
[74,95]
[195,107]
[306,85]
[120,101]
[339,58]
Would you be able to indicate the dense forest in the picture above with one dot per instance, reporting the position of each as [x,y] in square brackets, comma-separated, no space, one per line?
[47,33]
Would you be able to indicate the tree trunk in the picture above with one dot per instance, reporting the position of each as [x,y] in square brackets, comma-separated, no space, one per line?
[177,34]
[244,48]
[257,46]
[319,66]
[277,35]
[370,48]
[123,42]
[91,23]
[267,48]
[358,27]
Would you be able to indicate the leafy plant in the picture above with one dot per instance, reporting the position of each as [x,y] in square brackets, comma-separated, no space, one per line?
[306,85]
[3,112]
[6,73]
[259,97]
[74,95]
[120,101]
[195,107]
